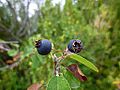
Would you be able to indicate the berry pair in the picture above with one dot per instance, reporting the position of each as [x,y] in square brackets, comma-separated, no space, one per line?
[44,46]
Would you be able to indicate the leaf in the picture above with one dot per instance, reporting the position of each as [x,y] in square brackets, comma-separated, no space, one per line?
[58,83]
[75,70]
[84,61]
[35,61]
[74,82]
[12,52]
[116,82]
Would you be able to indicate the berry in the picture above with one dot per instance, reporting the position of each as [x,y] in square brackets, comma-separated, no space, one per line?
[75,46]
[43,46]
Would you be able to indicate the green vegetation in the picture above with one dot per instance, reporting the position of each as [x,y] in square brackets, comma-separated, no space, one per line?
[96,23]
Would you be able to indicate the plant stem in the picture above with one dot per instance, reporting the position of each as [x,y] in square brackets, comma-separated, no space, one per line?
[57,61]
[56,65]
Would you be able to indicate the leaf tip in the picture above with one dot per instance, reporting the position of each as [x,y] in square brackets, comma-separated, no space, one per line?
[97,70]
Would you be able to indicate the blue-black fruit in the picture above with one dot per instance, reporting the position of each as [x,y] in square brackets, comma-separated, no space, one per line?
[43,46]
[75,46]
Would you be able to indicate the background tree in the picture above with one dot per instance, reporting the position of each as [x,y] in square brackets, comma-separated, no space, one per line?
[95,23]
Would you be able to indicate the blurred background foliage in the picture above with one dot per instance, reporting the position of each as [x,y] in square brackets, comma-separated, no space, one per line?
[95,22]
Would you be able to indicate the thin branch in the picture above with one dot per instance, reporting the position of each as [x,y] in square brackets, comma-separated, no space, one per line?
[4,31]
[25,21]
[14,15]
[116,58]
[15,64]
[9,31]
[57,61]
[8,42]
[3,48]
[11,66]
[56,65]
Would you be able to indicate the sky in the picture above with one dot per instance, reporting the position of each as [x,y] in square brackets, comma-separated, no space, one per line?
[33,5]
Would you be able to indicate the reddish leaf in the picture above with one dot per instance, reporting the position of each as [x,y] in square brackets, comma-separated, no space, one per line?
[117,83]
[75,70]
[34,86]
[14,58]
[9,62]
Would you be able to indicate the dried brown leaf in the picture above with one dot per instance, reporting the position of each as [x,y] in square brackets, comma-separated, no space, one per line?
[75,70]
[34,86]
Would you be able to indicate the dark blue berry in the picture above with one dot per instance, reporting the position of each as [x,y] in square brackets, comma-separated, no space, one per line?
[75,46]
[43,46]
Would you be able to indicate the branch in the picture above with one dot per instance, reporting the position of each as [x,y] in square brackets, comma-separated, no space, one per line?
[22,31]
[14,16]
[15,64]
[2,48]
[16,57]
[57,60]
[11,66]
[56,65]
[116,58]
[8,42]
[6,31]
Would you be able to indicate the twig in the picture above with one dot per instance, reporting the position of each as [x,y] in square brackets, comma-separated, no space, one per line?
[14,15]
[116,58]
[22,31]
[56,65]
[3,48]
[57,61]
[15,64]
[10,66]
[7,42]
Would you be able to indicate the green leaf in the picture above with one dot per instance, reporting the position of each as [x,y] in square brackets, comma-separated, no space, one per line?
[58,83]
[12,52]
[35,61]
[84,61]
[74,83]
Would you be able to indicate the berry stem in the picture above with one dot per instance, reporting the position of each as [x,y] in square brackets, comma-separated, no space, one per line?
[56,65]
[57,60]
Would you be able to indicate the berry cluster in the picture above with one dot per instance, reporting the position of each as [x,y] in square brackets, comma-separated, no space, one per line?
[44,46]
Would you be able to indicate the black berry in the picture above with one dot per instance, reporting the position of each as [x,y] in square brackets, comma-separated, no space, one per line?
[43,46]
[75,46]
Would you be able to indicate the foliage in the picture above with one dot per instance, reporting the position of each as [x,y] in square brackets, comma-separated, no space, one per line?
[95,23]
[58,83]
